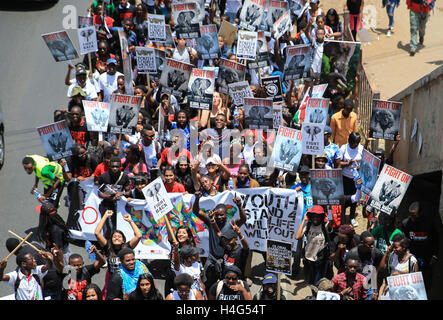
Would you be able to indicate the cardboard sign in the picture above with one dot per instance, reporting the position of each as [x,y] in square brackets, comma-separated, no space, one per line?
[317,110]
[124,113]
[238,91]
[87,39]
[287,149]
[175,77]
[201,89]
[258,113]
[60,46]
[57,140]
[279,257]
[96,115]
[409,286]
[186,20]
[327,186]
[273,88]
[229,72]
[207,45]
[385,119]
[157,198]
[156,27]
[313,138]
[298,62]
[368,171]
[246,45]
[146,62]
[251,14]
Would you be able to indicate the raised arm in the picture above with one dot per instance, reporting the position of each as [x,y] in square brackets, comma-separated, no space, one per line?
[98,230]
[137,233]
[242,219]
[196,209]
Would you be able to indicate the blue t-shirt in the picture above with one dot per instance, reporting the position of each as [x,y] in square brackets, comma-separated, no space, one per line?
[307,198]
[332,152]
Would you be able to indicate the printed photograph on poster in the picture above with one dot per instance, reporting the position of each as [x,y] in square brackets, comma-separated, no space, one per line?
[262,54]
[409,286]
[327,187]
[251,14]
[123,115]
[238,91]
[287,149]
[298,62]
[277,114]
[126,61]
[385,119]
[207,45]
[175,77]
[326,295]
[87,39]
[229,72]
[318,91]
[60,46]
[258,113]
[157,198]
[246,45]
[298,7]
[279,257]
[57,140]
[368,171]
[156,27]
[282,25]
[201,89]
[276,8]
[186,20]
[160,61]
[169,43]
[339,65]
[317,110]
[273,89]
[96,115]
[84,22]
[146,62]
[313,138]
[389,190]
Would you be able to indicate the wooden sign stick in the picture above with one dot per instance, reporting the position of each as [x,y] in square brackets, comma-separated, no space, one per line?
[28,243]
[19,246]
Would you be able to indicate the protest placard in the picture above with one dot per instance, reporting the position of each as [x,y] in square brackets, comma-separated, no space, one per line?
[409,286]
[298,7]
[339,65]
[201,89]
[298,62]
[317,110]
[57,140]
[160,61]
[258,113]
[228,32]
[389,189]
[318,90]
[229,72]
[126,61]
[238,91]
[368,171]
[186,20]
[385,119]
[313,138]
[246,45]
[282,25]
[60,46]
[84,22]
[146,62]
[326,295]
[169,43]
[287,150]
[327,187]
[273,89]
[96,115]
[251,14]
[279,257]
[262,55]
[156,27]
[123,115]
[157,198]
[276,8]
[207,45]
[277,114]
[87,39]
[175,77]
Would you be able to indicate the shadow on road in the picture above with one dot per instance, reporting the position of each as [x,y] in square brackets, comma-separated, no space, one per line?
[27,5]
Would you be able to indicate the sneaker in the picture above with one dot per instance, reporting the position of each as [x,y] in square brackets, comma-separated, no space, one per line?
[354,223]
[421,40]
[388,34]
[412,53]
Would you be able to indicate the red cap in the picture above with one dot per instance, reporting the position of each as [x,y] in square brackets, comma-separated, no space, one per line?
[317,209]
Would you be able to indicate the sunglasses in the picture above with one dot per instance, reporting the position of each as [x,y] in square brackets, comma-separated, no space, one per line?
[231,278]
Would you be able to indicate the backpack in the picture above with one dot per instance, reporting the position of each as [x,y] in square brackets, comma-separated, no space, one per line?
[18,280]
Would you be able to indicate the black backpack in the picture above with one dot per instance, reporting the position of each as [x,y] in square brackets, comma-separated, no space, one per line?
[18,280]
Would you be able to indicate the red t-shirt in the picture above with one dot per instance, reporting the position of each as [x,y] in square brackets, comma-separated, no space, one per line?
[168,158]
[176,187]
[101,168]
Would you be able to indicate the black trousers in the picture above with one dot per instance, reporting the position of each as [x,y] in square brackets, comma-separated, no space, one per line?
[349,190]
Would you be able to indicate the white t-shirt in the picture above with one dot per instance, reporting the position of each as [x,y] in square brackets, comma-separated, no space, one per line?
[182,56]
[315,242]
[108,84]
[150,152]
[233,6]
[28,289]
[89,89]
[349,154]
[402,268]
[194,271]
[317,55]
[248,153]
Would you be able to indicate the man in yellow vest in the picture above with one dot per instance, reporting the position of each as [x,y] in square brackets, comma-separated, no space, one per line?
[50,173]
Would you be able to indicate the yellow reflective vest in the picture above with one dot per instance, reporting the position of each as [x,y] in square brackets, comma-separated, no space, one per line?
[41,162]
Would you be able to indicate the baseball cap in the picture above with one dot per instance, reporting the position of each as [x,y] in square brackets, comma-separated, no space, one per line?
[229,234]
[188,251]
[47,208]
[328,130]
[324,156]
[270,278]
[211,160]
[317,209]
[111,60]
[80,71]
[305,169]
[313,1]
[182,159]
[77,90]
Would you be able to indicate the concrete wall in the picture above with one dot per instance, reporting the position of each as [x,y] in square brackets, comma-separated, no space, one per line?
[423,100]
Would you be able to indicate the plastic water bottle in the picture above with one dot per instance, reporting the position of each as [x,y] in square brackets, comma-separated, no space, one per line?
[231,183]
[37,194]
[235,123]
[304,37]
[355,174]
[88,246]
[154,162]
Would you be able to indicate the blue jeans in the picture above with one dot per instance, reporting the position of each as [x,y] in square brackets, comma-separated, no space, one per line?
[369,294]
[390,11]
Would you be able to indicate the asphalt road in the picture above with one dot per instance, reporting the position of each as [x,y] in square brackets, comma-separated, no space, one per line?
[31,89]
